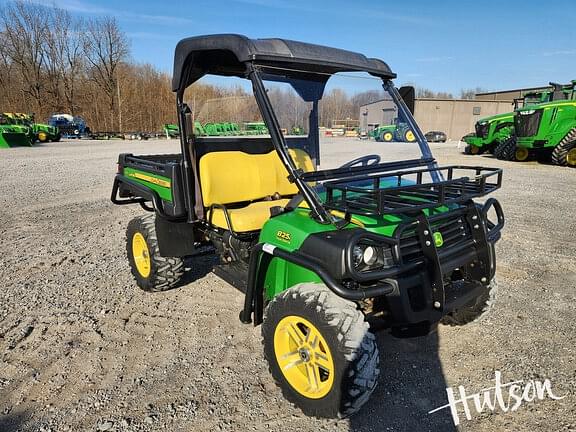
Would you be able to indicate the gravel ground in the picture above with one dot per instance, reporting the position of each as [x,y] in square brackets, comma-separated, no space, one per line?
[82,348]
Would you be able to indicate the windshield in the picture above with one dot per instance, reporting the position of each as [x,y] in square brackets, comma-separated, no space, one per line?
[359,124]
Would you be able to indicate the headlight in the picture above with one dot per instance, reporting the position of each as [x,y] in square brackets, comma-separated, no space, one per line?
[368,257]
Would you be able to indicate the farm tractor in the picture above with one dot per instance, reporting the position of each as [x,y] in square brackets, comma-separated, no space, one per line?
[13,135]
[325,255]
[399,131]
[545,131]
[491,132]
[37,131]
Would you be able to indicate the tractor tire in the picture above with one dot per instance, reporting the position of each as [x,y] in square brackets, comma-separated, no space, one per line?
[57,138]
[409,136]
[152,272]
[564,154]
[473,150]
[386,136]
[320,351]
[506,150]
[474,311]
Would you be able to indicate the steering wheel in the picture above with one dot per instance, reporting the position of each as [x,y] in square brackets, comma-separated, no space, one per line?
[363,161]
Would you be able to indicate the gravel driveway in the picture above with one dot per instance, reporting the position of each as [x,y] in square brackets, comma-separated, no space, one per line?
[82,348]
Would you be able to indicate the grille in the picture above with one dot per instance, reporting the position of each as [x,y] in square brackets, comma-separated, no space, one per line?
[527,125]
[482,130]
[454,230]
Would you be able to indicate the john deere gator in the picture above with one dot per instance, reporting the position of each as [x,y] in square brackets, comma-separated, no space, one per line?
[325,251]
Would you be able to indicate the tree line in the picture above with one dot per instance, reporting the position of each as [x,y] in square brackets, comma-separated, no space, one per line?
[53,62]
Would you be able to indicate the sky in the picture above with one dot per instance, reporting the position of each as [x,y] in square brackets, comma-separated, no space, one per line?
[443,46]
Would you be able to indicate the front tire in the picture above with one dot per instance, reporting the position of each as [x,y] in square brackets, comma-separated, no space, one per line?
[506,150]
[474,311]
[320,351]
[151,271]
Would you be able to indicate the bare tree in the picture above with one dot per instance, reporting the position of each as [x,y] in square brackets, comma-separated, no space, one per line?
[105,47]
[25,27]
[65,58]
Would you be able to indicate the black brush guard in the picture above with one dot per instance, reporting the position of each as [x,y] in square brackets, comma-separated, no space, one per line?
[426,271]
[462,183]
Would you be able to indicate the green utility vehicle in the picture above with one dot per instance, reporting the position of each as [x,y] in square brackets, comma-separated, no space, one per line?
[399,131]
[491,132]
[545,130]
[322,253]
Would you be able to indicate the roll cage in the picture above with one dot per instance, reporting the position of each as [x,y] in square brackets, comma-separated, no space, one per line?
[284,61]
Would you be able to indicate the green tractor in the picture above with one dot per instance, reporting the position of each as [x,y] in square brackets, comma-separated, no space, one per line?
[38,131]
[324,257]
[13,135]
[398,131]
[545,131]
[491,132]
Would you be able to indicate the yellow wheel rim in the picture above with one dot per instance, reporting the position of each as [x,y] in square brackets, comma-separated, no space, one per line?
[387,136]
[522,154]
[304,357]
[141,255]
[474,149]
[410,136]
[42,136]
[571,157]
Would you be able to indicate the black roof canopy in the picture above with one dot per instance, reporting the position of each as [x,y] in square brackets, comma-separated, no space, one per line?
[226,54]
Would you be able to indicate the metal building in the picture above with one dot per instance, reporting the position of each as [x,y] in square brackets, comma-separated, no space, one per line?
[455,117]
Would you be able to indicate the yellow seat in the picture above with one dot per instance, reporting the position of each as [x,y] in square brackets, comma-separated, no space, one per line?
[233,177]
[249,218]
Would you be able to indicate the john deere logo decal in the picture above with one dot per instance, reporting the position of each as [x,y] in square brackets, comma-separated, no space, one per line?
[438,239]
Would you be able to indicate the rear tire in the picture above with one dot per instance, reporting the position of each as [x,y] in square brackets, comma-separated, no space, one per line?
[506,150]
[474,311]
[340,339]
[564,154]
[152,271]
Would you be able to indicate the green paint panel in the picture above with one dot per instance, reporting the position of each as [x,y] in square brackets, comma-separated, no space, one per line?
[164,192]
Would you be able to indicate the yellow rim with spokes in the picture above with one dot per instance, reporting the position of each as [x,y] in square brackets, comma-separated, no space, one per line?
[522,154]
[474,149]
[410,136]
[141,255]
[42,136]
[571,157]
[304,357]
[388,136]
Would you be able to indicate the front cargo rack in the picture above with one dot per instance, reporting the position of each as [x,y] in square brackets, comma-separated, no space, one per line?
[407,190]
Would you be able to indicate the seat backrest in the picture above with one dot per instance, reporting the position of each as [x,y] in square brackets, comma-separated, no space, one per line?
[233,176]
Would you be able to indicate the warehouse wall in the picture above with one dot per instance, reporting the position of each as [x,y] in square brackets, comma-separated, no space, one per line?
[455,117]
